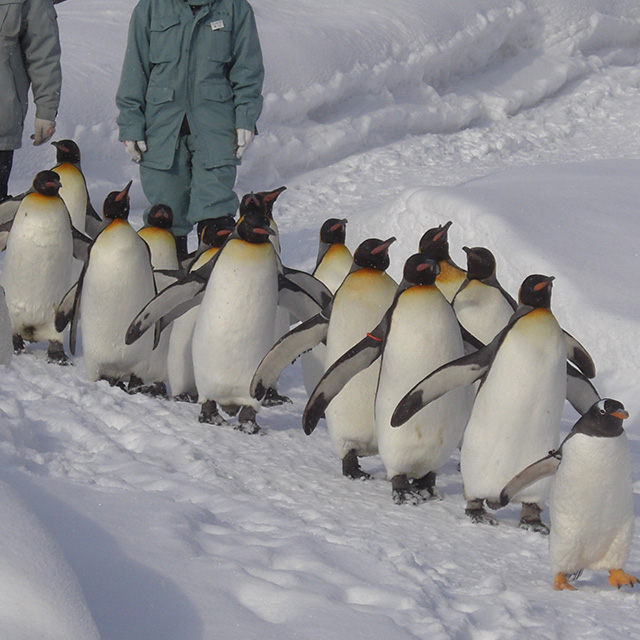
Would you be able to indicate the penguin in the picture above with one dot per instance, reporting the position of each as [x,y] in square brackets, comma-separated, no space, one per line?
[358,306]
[417,334]
[435,245]
[37,266]
[116,280]
[481,305]
[180,359]
[518,406]
[6,343]
[74,188]
[591,503]
[332,266]
[238,293]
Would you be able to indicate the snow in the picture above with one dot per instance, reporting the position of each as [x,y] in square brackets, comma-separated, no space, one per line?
[519,120]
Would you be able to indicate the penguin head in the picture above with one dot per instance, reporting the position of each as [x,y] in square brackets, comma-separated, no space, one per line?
[47,183]
[420,270]
[333,231]
[116,204]
[160,216]
[260,202]
[481,263]
[604,418]
[435,242]
[535,291]
[67,151]
[373,254]
[255,228]
[217,230]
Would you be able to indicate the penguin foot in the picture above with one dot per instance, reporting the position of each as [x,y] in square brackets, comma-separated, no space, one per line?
[478,513]
[209,413]
[18,344]
[247,421]
[186,397]
[619,578]
[561,582]
[405,492]
[273,399]
[426,487]
[56,354]
[530,519]
[136,385]
[155,390]
[351,467]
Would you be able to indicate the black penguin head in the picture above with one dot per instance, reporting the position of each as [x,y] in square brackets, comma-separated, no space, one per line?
[67,151]
[260,202]
[47,183]
[418,269]
[116,204]
[373,254]
[535,291]
[481,263]
[160,216]
[435,242]
[217,230]
[604,419]
[333,231]
[255,228]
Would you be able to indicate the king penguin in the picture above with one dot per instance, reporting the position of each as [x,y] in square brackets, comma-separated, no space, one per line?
[435,245]
[358,306]
[117,279]
[518,407]
[37,266]
[591,504]
[418,334]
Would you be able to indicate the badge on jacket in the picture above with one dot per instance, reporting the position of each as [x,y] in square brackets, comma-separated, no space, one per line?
[216,24]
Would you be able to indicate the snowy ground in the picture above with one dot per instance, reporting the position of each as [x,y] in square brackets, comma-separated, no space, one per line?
[517,120]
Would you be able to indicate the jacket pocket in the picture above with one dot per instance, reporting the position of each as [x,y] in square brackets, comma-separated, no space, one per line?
[218,41]
[159,95]
[164,39]
[217,92]
[9,19]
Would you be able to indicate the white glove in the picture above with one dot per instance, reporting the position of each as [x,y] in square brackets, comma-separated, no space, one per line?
[42,131]
[135,148]
[244,137]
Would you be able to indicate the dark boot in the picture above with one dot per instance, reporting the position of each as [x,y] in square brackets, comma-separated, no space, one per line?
[351,467]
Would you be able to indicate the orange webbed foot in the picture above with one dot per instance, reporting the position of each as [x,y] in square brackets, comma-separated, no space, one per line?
[618,578]
[561,583]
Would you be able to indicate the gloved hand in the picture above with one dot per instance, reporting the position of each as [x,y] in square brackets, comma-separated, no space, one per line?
[43,130]
[244,137]
[135,148]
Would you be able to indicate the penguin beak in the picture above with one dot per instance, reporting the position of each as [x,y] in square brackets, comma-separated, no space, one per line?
[443,231]
[384,246]
[543,285]
[339,225]
[125,192]
[620,413]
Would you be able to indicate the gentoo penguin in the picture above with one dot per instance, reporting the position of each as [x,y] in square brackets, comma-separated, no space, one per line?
[418,334]
[238,293]
[117,279]
[358,306]
[37,266]
[481,305]
[332,266]
[180,359]
[435,245]
[74,188]
[591,504]
[517,410]
[6,344]
[164,260]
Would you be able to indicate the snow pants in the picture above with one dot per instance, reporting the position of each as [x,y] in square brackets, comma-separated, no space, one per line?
[193,192]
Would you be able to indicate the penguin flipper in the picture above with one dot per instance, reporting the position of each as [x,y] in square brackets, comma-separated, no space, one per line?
[579,356]
[9,208]
[540,469]
[296,299]
[68,311]
[581,393]
[294,343]
[357,359]
[93,222]
[81,244]
[310,284]
[457,373]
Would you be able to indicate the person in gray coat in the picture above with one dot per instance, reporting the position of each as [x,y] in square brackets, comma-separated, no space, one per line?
[189,97]
[29,56]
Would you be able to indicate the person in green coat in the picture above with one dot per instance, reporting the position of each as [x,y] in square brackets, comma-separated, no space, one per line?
[29,57]
[189,97]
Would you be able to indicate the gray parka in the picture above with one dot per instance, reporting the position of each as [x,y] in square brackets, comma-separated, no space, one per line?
[29,54]
[207,66]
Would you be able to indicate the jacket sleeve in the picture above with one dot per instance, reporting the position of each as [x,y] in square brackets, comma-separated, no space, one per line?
[130,97]
[40,43]
[247,71]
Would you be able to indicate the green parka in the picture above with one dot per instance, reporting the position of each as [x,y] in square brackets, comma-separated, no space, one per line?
[207,66]
[29,54]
